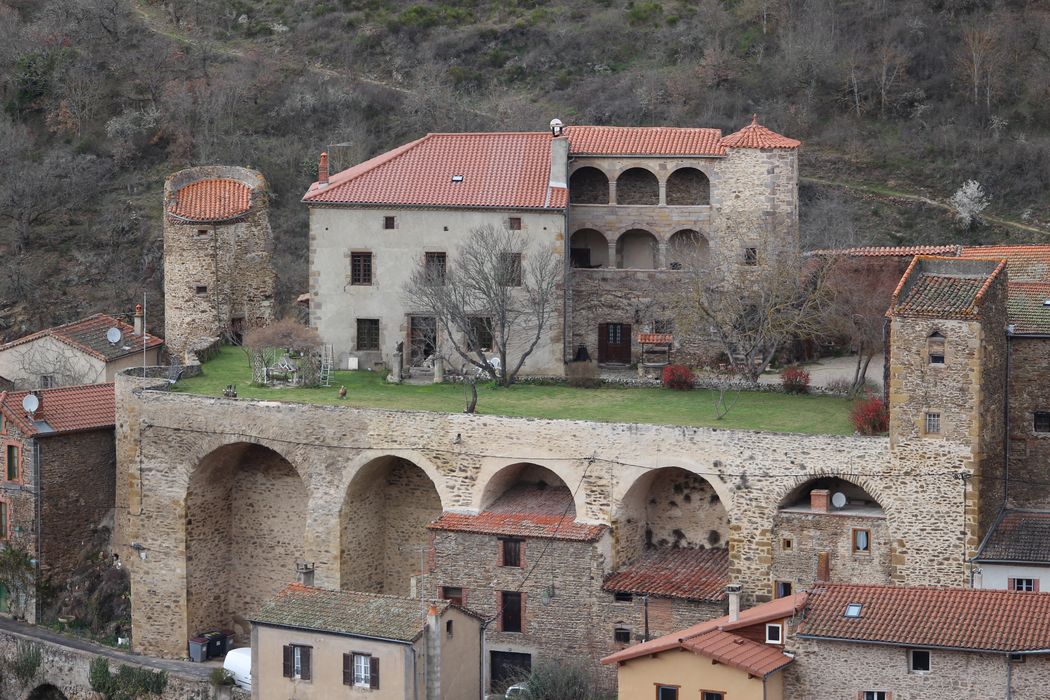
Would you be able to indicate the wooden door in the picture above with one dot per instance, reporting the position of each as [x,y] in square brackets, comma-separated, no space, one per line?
[614,343]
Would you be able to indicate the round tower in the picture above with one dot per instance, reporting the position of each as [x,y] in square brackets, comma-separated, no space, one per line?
[218,273]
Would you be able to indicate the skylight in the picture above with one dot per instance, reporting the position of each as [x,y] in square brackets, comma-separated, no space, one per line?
[457,178]
[853,609]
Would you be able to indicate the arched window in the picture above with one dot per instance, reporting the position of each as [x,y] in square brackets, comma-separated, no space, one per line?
[636,250]
[688,250]
[935,348]
[637,186]
[588,248]
[588,186]
[688,187]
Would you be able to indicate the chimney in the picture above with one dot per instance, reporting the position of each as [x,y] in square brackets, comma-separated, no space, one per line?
[322,170]
[733,591]
[823,567]
[559,162]
[138,319]
[818,500]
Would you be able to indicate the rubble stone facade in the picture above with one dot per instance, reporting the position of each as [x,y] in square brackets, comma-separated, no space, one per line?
[219,279]
[1029,447]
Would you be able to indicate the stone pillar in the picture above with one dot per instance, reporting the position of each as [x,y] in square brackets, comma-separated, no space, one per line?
[395,369]
[663,193]
[661,255]
[439,369]
[612,254]
[612,191]
[433,654]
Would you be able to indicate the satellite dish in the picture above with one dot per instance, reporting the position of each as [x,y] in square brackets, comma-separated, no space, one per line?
[113,335]
[838,499]
[30,403]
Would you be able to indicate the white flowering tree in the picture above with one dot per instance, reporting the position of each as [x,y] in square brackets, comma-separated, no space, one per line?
[968,202]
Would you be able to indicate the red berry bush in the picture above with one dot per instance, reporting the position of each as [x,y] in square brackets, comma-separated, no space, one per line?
[870,416]
[795,380]
[678,377]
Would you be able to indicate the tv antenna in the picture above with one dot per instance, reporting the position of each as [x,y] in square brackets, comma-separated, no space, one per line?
[30,403]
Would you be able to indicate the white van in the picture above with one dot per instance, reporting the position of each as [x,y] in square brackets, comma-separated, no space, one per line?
[238,663]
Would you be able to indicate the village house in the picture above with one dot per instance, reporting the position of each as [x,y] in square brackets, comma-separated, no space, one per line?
[627,209]
[58,475]
[80,352]
[313,644]
[1015,554]
[736,657]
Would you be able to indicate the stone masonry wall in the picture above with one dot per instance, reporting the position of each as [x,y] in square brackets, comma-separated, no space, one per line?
[813,533]
[231,260]
[750,471]
[1029,485]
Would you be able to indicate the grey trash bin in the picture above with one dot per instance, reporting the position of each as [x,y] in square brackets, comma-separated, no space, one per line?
[198,649]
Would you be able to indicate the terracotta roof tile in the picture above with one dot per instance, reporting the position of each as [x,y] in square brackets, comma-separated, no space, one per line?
[905,251]
[1027,309]
[552,527]
[89,335]
[960,618]
[655,338]
[754,135]
[217,199]
[64,409]
[693,574]
[644,140]
[779,609]
[1025,263]
[944,287]
[1018,536]
[498,170]
[347,612]
[727,648]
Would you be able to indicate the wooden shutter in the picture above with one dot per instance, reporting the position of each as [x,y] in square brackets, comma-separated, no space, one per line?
[1035,585]
[304,663]
[1011,584]
[289,663]
[374,672]
[348,669]
[603,342]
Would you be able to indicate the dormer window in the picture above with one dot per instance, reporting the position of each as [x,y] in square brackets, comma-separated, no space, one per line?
[774,634]
[935,348]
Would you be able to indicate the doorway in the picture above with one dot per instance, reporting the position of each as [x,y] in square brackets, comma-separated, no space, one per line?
[614,343]
[422,338]
[506,668]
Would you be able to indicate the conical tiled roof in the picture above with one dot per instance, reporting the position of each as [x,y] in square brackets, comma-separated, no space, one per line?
[754,135]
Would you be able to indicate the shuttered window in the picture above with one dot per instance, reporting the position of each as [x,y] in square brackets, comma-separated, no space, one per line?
[297,662]
[361,670]
[12,462]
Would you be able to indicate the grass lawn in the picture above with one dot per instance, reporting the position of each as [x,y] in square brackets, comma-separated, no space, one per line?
[753,410]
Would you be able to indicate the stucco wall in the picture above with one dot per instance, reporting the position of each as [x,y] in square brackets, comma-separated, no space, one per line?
[24,364]
[693,673]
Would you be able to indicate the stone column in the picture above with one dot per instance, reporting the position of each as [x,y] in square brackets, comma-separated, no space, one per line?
[661,255]
[612,191]
[439,369]
[395,369]
[663,193]
[612,254]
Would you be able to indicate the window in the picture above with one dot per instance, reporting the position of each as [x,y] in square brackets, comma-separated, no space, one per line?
[12,463]
[750,256]
[774,633]
[448,629]
[514,223]
[435,269]
[933,423]
[297,661]
[667,692]
[853,609]
[511,552]
[4,514]
[201,232]
[452,594]
[389,222]
[361,670]
[712,695]
[1041,422]
[783,589]
[201,289]
[786,544]
[510,611]
[361,268]
[663,325]
[919,661]
[1014,658]
[935,348]
[1023,585]
[511,269]
[480,334]
[876,695]
[622,635]
[861,541]
[47,381]
[623,597]
[368,334]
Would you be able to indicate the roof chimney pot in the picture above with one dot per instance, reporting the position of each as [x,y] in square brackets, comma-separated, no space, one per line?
[322,170]
[138,320]
[733,591]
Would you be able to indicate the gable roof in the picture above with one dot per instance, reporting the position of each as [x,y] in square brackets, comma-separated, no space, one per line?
[755,658]
[692,574]
[644,141]
[778,609]
[1018,536]
[1027,309]
[754,135]
[89,336]
[901,251]
[66,409]
[348,612]
[1025,263]
[955,618]
[213,199]
[938,287]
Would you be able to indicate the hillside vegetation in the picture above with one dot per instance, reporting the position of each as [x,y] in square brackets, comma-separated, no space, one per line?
[895,101]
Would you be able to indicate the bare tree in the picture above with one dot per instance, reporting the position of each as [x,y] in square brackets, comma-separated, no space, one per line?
[497,290]
[61,364]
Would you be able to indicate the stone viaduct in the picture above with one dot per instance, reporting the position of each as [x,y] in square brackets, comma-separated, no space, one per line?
[218,500]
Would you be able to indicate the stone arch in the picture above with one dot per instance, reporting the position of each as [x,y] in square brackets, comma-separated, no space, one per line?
[245,527]
[672,506]
[383,524]
[688,187]
[588,185]
[589,248]
[637,186]
[46,691]
[636,249]
[801,486]
[534,475]
[688,249]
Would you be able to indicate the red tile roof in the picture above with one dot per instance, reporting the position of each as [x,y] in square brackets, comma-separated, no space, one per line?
[89,335]
[931,289]
[905,251]
[216,199]
[499,170]
[655,338]
[779,609]
[643,141]
[553,527]
[1027,309]
[693,574]
[1018,536]
[65,409]
[754,135]
[958,618]
[733,650]
[1025,263]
